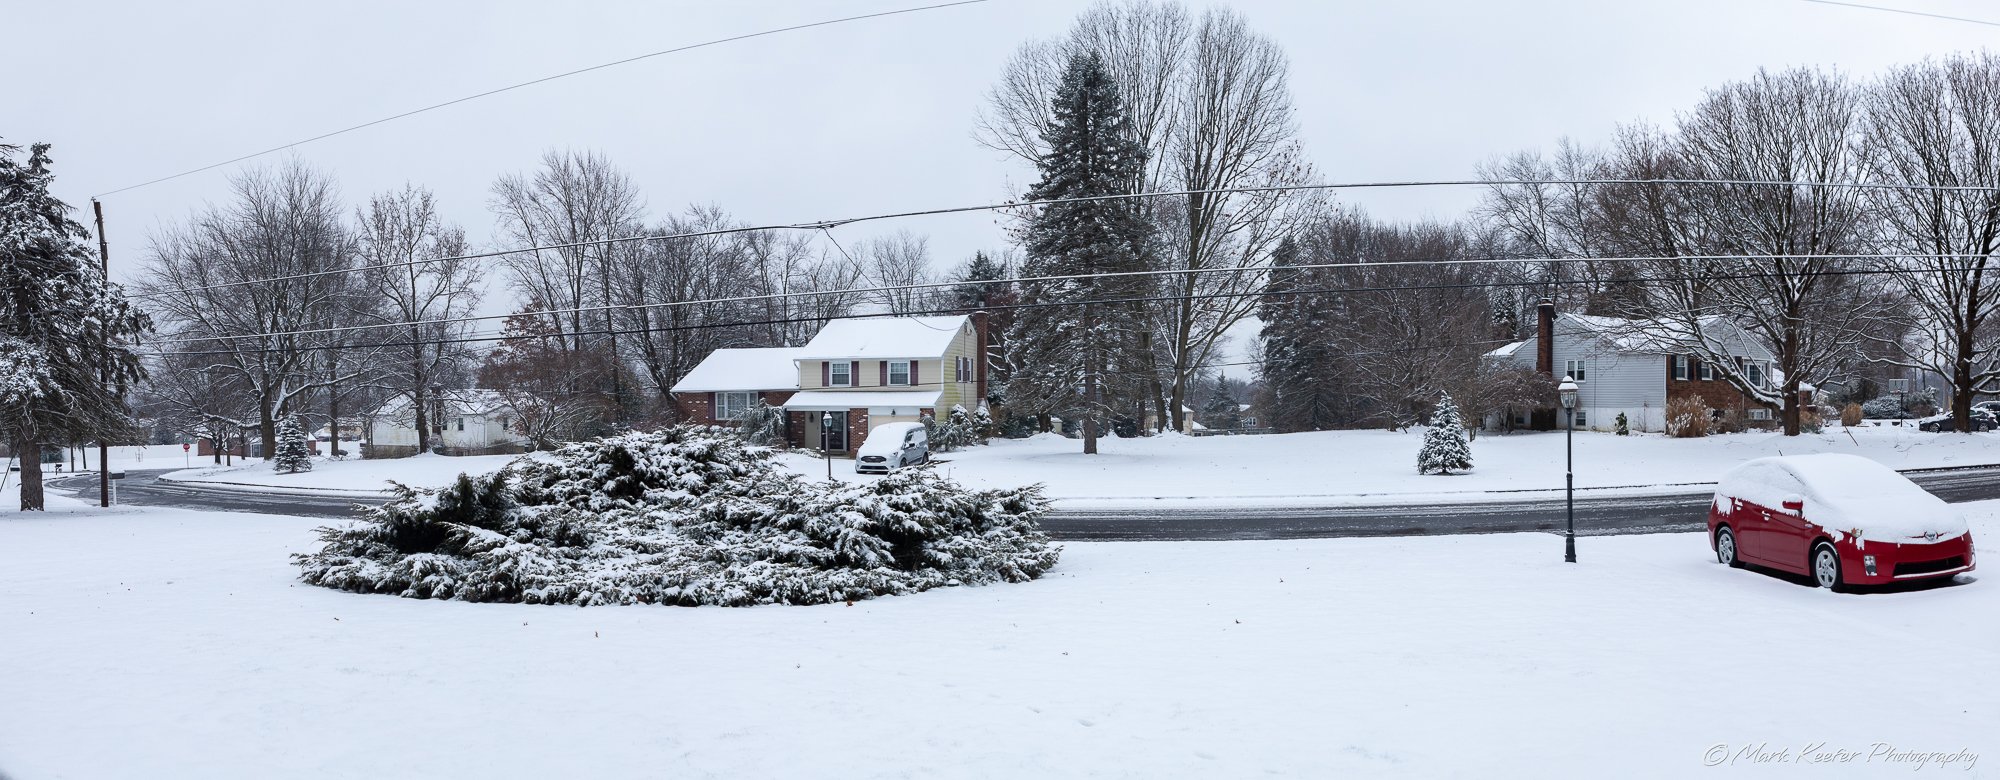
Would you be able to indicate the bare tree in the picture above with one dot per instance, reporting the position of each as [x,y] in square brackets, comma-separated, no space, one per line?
[574,203]
[419,275]
[247,287]
[1938,123]
[901,262]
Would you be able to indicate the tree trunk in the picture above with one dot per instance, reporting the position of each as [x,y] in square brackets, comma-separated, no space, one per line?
[1791,385]
[267,429]
[332,421]
[29,455]
[1961,382]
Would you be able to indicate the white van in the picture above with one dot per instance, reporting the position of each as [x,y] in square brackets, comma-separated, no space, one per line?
[892,446]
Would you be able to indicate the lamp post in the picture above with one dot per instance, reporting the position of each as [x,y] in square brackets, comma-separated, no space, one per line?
[826,442]
[1567,393]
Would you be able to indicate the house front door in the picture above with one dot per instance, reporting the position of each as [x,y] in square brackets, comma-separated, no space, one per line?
[834,435]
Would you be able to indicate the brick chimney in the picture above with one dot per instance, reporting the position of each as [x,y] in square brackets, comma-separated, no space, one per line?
[1544,419]
[1545,337]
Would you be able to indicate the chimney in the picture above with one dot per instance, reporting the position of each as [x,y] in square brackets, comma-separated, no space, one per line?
[979,354]
[1545,337]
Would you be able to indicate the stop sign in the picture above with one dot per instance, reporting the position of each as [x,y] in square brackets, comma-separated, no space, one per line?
[185,446]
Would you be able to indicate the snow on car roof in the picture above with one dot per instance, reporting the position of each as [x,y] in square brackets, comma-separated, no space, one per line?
[887,437]
[1844,494]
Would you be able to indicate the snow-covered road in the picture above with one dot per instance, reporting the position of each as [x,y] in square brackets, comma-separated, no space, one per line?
[169,644]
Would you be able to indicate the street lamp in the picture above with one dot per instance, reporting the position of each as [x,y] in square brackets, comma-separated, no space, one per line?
[1567,393]
[826,442]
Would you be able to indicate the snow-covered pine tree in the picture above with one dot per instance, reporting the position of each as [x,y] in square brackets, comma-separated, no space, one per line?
[1222,410]
[1300,366]
[1063,352]
[1624,426]
[59,381]
[762,425]
[983,426]
[1445,448]
[292,456]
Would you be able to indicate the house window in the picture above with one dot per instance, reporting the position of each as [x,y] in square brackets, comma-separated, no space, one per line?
[1755,372]
[1707,371]
[840,374]
[899,372]
[1581,420]
[461,423]
[1681,367]
[1760,413]
[1574,368]
[731,406]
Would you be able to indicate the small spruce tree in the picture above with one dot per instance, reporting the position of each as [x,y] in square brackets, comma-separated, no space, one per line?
[292,456]
[1624,426]
[1445,448]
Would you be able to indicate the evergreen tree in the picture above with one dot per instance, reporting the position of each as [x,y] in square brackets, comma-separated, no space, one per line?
[976,286]
[1445,448]
[1222,410]
[65,359]
[1078,360]
[293,455]
[1299,365]
[762,425]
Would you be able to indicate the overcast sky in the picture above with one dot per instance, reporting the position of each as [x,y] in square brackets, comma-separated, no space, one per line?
[860,118]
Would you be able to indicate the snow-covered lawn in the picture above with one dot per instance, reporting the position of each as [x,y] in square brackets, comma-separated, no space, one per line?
[167,644]
[355,475]
[1380,467]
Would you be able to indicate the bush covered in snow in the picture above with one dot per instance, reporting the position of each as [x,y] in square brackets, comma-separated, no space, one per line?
[687,516]
[1687,417]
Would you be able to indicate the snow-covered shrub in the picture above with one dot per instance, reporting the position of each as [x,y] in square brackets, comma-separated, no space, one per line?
[688,516]
[762,424]
[954,433]
[1687,417]
[1445,448]
[1886,407]
[292,455]
[983,426]
[1850,415]
[1623,426]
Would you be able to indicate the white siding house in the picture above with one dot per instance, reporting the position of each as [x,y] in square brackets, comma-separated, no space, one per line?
[463,422]
[1632,367]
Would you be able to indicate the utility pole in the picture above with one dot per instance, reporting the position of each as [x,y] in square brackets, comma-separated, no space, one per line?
[103,368]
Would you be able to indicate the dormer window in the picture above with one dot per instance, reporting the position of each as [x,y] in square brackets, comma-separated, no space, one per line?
[899,372]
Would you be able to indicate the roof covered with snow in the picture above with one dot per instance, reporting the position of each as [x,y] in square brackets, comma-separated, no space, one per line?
[842,400]
[876,338]
[770,368]
[1509,350]
[464,401]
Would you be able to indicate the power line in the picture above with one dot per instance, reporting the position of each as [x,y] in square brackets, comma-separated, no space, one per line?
[1905,11]
[825,226]
[532,82]
[1009,307]
[1030,279]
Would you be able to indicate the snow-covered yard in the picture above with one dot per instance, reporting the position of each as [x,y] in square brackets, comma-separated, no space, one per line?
[1316,469]
[350,475]
[1380,467]
[168,644]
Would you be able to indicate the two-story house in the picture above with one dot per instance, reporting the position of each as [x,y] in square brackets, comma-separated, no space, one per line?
[1634,367]
[854,374]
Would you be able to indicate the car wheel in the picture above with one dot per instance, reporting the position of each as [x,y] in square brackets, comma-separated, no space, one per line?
[1826,567]
[1725,548]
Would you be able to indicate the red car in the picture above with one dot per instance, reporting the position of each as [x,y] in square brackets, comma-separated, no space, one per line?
[1843,520]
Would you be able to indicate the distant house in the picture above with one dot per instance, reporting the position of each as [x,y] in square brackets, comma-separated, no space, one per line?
[854,374]
[1633,367]
[463,422]
[862,372]
[730,381]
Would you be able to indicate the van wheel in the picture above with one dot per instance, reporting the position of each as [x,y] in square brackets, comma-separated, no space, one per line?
[1725,548]
[1826,567]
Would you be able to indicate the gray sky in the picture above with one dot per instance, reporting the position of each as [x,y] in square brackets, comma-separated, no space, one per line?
[862,118]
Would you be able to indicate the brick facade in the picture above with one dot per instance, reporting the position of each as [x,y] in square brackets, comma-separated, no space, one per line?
[699,408]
